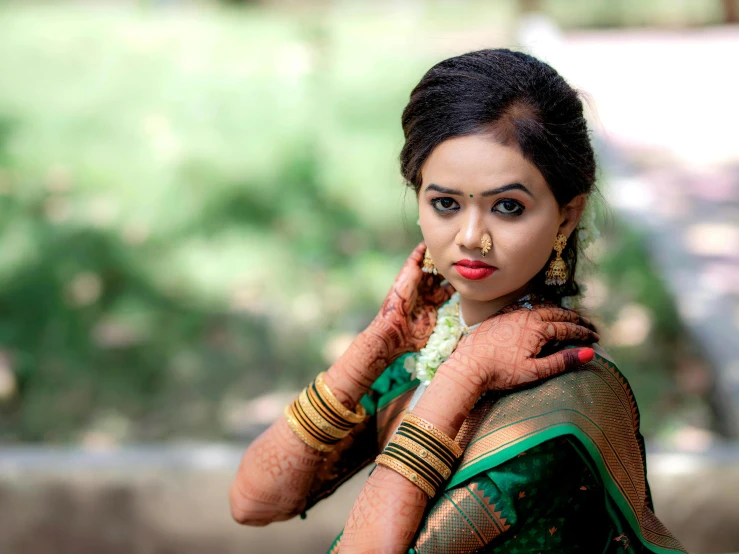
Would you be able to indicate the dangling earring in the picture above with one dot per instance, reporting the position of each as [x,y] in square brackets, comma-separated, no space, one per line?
[428,264]
[557,272]
[486,244]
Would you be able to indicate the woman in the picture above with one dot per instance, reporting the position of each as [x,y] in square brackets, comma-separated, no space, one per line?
[458,389]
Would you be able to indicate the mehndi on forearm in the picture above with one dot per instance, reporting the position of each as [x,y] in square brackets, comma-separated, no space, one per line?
[278,468]
[389,509]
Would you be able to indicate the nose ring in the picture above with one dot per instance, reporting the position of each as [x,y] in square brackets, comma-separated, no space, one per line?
[486,244]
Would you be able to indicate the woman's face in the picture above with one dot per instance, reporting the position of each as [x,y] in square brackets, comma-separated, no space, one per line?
[472,186]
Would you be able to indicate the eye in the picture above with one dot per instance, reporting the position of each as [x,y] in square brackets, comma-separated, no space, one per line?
[509,207]
[444,204]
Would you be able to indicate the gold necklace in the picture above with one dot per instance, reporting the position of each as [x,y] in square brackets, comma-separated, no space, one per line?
[466,329]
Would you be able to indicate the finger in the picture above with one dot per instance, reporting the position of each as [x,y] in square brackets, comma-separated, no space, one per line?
[555,313]
[557,330]
[443,293]
[587,322]
[410,276]
[416,257]
[432,291]
[516,306]
[561,361]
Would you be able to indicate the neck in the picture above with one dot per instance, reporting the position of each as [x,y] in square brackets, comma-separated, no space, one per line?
[476,311]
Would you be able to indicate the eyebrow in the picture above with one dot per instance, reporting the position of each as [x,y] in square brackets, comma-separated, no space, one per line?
[491,192]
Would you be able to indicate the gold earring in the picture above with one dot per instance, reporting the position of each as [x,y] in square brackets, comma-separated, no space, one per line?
[486,244]
[557,272]
[428,264]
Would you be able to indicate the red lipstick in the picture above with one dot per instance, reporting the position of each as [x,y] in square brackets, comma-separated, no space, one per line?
[474,270]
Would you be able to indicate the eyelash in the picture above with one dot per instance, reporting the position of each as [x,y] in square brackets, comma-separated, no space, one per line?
[517,213]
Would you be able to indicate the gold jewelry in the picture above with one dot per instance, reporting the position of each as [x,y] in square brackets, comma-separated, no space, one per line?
[311,426]
[427,442]
[323,409]
[486,244]
[318,420]
[432,430]
[557,272]
[302,434]
[405,471]
[340,410]
[425,454]
[428,264]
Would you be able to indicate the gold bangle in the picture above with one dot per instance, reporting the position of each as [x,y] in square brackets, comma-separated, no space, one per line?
[426,441]
[341,410]
[414,464]
[296,428]
[324,410]
[402,469]
[432,430]
[424,454]
[316,418]
[309,426]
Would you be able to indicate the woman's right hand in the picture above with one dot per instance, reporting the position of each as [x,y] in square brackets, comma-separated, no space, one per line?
[501,352]
[408,315]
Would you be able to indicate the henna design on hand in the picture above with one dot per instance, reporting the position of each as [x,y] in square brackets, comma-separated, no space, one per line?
[408,314]
[501,352]
[404,324]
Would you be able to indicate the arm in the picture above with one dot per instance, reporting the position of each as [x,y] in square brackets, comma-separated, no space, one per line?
[498,355]
[389,508]
[277,470]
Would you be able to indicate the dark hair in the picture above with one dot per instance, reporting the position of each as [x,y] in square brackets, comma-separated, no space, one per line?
[516,99]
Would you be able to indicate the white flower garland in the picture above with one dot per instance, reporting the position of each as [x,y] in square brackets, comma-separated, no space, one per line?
[441,343]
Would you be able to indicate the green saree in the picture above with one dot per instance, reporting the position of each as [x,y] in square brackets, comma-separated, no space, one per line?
[555,467]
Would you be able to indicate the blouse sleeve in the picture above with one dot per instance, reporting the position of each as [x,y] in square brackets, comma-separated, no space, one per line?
[544,500]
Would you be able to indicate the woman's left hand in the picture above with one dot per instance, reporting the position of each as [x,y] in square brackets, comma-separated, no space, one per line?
[408,314]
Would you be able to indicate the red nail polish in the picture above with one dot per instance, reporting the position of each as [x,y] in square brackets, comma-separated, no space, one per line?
[585,355]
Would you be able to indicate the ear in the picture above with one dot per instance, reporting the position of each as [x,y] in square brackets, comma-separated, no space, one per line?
[571,213]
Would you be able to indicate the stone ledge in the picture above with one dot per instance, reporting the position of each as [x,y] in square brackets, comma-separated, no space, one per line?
[173,499]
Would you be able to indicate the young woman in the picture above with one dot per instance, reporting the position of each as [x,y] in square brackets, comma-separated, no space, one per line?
[494,427]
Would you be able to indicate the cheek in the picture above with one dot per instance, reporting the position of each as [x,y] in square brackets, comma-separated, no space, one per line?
[527,249]
[436,234]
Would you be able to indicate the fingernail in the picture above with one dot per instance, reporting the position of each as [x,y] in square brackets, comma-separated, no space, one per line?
[585,355]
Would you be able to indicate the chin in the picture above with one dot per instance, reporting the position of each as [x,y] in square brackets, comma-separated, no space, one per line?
[474,290]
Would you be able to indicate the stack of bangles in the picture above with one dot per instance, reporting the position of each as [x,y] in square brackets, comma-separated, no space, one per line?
[421,453]
[319,419]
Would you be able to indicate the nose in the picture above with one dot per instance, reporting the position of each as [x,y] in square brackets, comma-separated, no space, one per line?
[471,230]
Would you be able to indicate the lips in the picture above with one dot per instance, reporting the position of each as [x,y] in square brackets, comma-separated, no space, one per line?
[474,264]
[474,270]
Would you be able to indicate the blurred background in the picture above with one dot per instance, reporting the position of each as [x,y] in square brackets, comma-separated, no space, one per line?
[201,206]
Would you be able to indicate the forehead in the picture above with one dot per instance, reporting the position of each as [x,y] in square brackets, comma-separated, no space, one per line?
[477,162]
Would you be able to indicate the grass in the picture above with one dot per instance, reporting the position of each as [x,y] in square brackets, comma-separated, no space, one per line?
[194,202]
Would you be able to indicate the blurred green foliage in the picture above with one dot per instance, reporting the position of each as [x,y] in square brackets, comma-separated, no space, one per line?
[193,204]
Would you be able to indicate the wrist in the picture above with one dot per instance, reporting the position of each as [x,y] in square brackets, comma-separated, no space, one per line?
[464,375]
[448,400]
[394,344]
[356,369]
